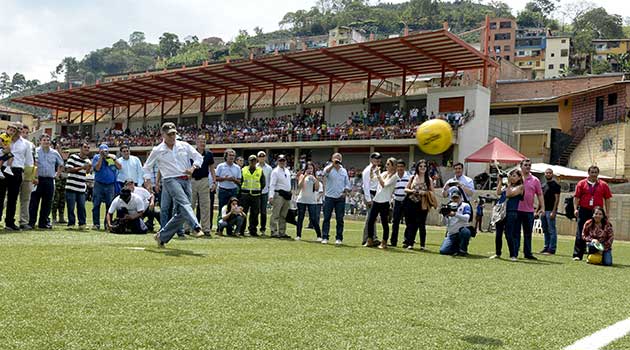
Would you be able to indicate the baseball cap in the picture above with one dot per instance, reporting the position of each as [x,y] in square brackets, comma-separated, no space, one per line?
[129,181]
[103,147]
[251,157]
[376,155]
[169,128]
[282,157]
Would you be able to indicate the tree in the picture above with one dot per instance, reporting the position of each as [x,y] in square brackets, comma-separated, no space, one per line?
[572,10]
[18,83]
[239,47]
[69,67]
[169,45]
[600,67]
[5,84]
[603,25]
[136,38]
[258,31]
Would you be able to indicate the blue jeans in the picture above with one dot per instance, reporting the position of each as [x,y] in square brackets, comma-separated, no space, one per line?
[225,195]
[179,190]
[512,232]
[167,211]
[549,229]
[456,243]
[526,222]
[77,198]
[103,193]
[313,217]
[607,257]
[338,204]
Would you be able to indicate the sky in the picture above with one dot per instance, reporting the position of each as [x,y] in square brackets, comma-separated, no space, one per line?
[35,35]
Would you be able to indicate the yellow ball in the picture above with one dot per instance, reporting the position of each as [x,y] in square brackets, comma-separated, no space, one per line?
[434,136]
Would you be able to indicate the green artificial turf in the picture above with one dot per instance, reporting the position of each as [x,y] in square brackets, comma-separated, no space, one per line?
[91,290]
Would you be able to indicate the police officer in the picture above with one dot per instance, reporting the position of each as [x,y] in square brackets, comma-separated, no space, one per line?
[251,189]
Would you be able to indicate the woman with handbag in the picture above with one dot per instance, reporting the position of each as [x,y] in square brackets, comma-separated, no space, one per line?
[419,200]
[498,219]
[308,185]
[598,235]
[380,203]
[514,193]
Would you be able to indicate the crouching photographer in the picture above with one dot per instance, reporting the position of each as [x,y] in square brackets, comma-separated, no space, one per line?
[455,215]
[129,209]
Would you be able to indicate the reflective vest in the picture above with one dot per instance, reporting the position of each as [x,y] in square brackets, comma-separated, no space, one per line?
[251,181]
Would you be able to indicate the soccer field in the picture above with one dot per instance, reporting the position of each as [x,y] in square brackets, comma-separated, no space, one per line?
[91,290]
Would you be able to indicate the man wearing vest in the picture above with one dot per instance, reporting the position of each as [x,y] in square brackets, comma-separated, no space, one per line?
[251,189]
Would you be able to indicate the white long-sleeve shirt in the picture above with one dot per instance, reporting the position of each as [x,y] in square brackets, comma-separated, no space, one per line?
[267,169]
[280,180]
[22,153]
[455,223]
[369,183]
[384,193]
[172,162]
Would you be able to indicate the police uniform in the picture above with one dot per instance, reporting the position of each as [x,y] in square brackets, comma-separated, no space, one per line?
[251,189]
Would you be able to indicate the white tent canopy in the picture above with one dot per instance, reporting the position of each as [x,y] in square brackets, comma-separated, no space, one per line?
[562,172]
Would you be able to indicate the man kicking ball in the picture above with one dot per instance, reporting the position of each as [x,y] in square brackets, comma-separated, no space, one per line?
[173,161]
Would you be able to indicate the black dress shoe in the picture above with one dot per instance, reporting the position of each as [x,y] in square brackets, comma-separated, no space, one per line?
[47,227]
[12,227]
[531,257]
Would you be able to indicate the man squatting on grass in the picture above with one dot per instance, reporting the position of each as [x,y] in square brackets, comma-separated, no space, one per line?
[173,160]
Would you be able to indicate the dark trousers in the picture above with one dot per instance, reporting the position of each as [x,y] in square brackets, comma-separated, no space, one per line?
[10,187]
[339,205]
[313,217]
[579,248]
[526,222]
[264,198]
[225,195]
[399,208]
[382,210]
[151,215]
[416,220]
[136,226]
[251,208]
[45,192]
[513,232]
[498,238]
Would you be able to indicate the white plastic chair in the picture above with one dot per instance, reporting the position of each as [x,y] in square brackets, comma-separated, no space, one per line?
[538,226]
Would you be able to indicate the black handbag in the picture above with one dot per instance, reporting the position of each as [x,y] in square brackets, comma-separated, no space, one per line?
[291,217]
[284,194]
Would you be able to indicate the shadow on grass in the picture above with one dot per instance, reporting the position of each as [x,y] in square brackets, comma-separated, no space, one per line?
[479,340]
[175,252]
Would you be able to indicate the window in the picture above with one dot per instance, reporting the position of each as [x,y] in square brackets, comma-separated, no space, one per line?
[504,111]
[612,99]
[493,25]
[564,52]
[506,48]
[5,117]
[507,58]
[562,65]
[502,36]
[521,53]
[553,54]
[505,25]
[563,41]
[540,109]
[550,66]
[599,109]
[497,49]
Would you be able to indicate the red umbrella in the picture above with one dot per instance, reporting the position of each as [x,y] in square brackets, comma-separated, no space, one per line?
[495,151]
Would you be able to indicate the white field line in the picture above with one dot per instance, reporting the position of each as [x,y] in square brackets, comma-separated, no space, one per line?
[603,337]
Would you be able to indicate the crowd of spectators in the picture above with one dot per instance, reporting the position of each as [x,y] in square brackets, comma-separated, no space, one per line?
[288,128]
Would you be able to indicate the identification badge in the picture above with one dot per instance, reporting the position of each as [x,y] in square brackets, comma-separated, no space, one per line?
[590,203]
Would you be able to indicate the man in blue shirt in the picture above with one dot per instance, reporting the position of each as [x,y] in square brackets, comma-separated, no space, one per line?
[49,166]
[228,177]
[105,168]
[337,184]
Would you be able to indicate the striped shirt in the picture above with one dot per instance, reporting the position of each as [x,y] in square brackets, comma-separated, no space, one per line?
[76,181]
[399,192]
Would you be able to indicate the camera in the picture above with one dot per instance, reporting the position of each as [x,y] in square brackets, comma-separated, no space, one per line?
[336,161]
[446,209]
[453,183]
